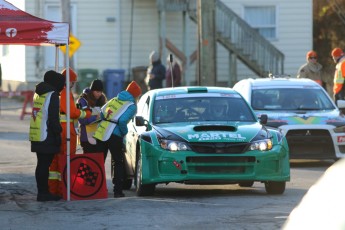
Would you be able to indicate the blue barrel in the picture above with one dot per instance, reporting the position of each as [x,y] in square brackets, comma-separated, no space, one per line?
[114,81]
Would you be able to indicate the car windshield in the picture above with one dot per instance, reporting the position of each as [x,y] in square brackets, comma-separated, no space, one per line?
[291,99]
[206,108]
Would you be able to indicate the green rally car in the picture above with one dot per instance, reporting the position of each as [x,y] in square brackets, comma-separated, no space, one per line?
[202,135]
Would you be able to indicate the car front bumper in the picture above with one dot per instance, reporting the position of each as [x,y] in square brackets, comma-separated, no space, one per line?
[161,166]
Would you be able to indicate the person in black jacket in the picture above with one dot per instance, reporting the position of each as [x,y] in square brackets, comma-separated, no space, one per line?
[155,72]
[45,129]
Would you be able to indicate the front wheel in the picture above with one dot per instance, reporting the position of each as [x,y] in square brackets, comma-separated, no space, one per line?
[142,189]
[275,187]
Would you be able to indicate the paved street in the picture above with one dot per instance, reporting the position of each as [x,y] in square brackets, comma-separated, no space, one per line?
[173,207]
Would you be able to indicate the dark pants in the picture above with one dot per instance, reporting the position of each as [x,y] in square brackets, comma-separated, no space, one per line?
[97,148]
[42,171]
[114,145]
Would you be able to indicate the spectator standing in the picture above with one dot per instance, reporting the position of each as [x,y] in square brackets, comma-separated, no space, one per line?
[45,130]
[312,69]
[155,72]
[339,75]
[176,73]
[92,97]
[115,115]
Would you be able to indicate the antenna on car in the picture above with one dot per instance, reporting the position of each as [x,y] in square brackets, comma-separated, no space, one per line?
[271,75]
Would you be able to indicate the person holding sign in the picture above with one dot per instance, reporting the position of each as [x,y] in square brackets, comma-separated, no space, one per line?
[92,97]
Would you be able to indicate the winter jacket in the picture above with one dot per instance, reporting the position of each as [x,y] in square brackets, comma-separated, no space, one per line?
[85,100]
[158,70]
[53,140]
[339,77]
[121,128]
[176,75]
[312,71]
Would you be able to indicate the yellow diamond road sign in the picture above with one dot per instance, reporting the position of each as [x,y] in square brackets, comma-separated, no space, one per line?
[74,44]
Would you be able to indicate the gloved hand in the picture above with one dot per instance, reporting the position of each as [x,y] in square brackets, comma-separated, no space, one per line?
[96,111]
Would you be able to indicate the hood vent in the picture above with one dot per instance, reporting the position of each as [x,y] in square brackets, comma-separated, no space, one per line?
[225,128]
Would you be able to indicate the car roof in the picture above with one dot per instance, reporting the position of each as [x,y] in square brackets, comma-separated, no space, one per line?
[282,82]
[192,89]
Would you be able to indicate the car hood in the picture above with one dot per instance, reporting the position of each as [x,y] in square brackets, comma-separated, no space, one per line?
[210,132]
[276,119]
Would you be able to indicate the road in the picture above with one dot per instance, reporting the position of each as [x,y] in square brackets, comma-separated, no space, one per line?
[174,206]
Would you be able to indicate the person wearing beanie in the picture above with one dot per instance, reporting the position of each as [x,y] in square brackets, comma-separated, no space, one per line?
[115,115]
[339,75]
[45,130]
[312,69]
[55,183]
[92,97]
[96,85]
[155,72]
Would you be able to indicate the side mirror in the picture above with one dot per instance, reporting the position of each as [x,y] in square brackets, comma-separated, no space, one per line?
[139,121]
[263,119]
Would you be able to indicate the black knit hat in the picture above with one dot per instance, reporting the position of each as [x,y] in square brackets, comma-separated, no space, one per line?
[54,79]
[96,85]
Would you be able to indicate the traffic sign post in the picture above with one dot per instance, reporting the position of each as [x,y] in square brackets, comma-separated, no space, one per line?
[74,45]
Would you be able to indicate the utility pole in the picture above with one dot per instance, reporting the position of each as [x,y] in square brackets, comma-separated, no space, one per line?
[207,43]
[66,17]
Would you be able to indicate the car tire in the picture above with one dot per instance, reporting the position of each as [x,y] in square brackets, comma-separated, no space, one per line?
[142,189]
[275,187]
[246,183]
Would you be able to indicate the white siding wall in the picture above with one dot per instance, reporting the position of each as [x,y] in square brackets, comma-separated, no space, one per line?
[13,64]
[107,44]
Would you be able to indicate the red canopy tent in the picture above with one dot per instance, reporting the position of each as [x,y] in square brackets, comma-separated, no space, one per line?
[20,28]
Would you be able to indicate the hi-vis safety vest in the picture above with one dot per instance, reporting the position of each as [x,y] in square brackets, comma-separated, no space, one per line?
[338,77]
[39,117]
[112,111]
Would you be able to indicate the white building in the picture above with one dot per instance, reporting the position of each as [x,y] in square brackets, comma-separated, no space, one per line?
[120,34]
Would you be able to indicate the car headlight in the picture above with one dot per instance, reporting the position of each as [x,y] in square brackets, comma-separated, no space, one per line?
[340,129]
[262,145]
[174,145]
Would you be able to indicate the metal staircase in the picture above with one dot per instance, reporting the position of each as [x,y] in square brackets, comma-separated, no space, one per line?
[237,36]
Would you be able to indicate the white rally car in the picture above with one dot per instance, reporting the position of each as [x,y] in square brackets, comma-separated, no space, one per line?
[302,109]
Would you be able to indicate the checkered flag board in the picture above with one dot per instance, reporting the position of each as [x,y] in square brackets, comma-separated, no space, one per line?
[85,172]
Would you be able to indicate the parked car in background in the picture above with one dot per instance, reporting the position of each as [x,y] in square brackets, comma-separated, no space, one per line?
[193,135]
[302,109]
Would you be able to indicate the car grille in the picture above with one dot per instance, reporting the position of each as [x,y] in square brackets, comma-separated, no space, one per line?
[224,147]
[220,164]
[310,144]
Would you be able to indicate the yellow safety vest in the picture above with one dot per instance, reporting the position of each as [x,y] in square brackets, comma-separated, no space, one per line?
[90,131]
[338,78]
[112,111]
[39,117]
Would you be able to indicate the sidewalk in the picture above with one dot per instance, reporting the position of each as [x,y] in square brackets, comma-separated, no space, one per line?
[18,206]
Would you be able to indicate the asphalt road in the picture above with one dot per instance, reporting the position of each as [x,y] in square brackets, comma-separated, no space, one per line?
[174,206]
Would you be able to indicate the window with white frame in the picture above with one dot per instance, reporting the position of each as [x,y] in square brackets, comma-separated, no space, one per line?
[53,13]
[263,19]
